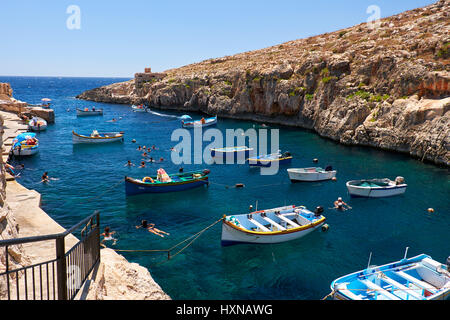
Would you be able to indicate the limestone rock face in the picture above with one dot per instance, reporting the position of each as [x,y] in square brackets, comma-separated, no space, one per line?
[117,279]
[355,85]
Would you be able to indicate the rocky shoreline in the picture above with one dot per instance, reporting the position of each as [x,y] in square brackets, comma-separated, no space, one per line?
[386,87]
[21,216]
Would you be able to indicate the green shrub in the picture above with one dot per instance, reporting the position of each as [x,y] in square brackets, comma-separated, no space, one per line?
[309,96]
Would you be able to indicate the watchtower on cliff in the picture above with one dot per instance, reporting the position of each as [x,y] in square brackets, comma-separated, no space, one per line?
[147,76]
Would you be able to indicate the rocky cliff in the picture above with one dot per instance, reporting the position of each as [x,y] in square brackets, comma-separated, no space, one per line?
[385,87]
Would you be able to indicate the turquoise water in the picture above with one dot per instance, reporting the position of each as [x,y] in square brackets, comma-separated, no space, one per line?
[90,178]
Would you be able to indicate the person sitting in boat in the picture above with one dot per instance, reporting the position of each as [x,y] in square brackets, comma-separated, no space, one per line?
[339,204]
[95,134]
[86,109]
[151,228]
[93,108]
[203,121]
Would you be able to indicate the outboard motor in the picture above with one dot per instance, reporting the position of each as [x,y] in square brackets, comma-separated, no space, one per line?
[318,211]
[329,168]
[286,154]
[399,180]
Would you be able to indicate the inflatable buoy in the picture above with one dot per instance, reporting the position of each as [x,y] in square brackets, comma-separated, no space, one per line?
[334,179]
[325,227]
[239,185]
[134,140]
[430,210]
[148,179]
[315,160]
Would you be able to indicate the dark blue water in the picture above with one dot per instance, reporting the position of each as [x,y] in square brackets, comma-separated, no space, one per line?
[90,178]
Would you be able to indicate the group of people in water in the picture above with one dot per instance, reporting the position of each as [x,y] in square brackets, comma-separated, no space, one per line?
[145,155]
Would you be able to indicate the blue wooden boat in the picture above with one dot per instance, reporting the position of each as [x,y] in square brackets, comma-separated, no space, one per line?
[164,183]
[269,159]
[418,278]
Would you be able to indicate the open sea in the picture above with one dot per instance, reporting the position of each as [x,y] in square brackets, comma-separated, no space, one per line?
[90,178]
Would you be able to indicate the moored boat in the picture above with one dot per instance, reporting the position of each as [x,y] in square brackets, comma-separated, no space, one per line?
[89,112]
[376,188]
[25,144]
[269,159]
[417,278]
[164,183]
[199,123]
[37,124]
[231,154]
[270,226]
[311,174]
[139,108]
[96,137]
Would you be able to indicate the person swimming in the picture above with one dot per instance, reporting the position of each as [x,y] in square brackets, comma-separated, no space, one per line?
[151,228]
[129,164]
[339,204]
[107,236]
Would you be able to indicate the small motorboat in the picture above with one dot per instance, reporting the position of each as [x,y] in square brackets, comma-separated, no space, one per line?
[25,144]
[139,108]
[164,183]
[231,154]
[418,278]
[311,174]
[269,159]
[376,188]
[199,123]
[89,112]
[97,137]
[270,226]
[37,124]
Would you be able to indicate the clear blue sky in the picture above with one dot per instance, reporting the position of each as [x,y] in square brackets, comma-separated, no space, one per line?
[119,38]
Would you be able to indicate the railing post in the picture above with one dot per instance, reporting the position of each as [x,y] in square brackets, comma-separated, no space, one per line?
[61,268]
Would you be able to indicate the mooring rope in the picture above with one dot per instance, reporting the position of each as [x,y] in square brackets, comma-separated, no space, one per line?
[191,240]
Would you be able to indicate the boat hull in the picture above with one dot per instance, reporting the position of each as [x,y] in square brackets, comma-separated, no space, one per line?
[133,187]
[225,155]
[197,124]
[255,162]
[375,192]
[34,127]
[231,236]
[82,113]
[80,139]
[26,151]
[296,175]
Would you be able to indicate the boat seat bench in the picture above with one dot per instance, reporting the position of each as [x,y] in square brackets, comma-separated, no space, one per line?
[289,221]
[402,287]
[379,289]
[274,223]
[259,225]
[417,282]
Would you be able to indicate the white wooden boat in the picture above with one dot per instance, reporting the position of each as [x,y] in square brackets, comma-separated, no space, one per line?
[25,144]
[97,137]
[199,123]
[310,174]
[37,124]
[270,226]
[268,160]
[139,108]
[376,188]
[89,112]
[418,278]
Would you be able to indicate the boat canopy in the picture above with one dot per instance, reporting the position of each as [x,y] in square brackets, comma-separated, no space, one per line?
[23,137]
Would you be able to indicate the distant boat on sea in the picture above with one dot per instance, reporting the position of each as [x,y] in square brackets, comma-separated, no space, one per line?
[311,174]
[96,137]
[89,112]
[37,124]
[199,123]
[376,188]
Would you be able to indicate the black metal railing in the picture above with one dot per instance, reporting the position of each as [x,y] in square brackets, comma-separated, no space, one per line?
[57,279]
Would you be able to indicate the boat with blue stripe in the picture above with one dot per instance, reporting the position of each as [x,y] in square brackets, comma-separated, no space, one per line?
[376,188]
[417,278]
[241,153]
[164,183]
[199,123]
[270,226]
[269,159]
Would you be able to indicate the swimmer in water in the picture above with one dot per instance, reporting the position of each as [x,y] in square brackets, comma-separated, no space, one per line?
[107,236]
